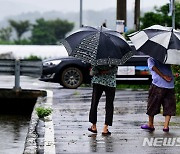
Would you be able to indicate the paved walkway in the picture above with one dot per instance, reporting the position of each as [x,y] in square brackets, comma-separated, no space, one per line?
[70,117]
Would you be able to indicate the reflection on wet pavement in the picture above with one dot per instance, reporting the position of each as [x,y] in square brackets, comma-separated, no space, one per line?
[13,131]
[70,116]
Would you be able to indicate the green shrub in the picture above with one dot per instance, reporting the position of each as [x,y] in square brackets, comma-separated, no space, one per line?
[176,71]
[33,57]
[43,112]
[133,87]
[178,108]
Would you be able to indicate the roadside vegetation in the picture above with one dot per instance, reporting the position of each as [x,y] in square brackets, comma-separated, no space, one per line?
[43,112]
[42,32]
[132,87]
[159,16]
[176,70]
[33,57]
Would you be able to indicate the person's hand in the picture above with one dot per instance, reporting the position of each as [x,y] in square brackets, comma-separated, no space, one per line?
[167,78]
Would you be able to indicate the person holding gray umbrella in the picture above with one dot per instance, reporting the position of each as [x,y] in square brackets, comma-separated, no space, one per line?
[160,42]
[163,44]
[161,92]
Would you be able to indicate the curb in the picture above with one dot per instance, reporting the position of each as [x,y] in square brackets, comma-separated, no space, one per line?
[40,137]
[49,144]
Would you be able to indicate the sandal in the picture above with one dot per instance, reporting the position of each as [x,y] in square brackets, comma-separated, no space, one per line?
[166,129]
[146,127]
[91,130]
[106,134]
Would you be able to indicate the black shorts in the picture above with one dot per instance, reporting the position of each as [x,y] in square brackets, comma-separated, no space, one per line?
[161,96]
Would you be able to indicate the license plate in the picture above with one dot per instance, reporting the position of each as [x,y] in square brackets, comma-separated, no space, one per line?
[126,70]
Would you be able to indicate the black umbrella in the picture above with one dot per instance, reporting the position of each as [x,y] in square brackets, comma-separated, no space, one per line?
[161,43]
[98,46]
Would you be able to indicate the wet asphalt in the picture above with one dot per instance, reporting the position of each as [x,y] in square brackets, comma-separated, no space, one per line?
[71,114]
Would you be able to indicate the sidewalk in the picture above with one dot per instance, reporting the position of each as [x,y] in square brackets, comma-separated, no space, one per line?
[70,118]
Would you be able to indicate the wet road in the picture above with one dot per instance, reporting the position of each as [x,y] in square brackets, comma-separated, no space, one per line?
[70,117]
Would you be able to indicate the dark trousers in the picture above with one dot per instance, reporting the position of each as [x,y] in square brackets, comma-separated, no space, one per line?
[109,107]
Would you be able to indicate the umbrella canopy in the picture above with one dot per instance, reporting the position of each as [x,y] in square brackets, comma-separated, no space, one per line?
[161,43]
[98,46]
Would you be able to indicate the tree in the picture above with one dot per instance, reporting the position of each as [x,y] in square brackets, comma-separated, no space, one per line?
[50,32]
[160,16]
[151,18]
[61,28]
[5,34]
[42,33]
[20,27]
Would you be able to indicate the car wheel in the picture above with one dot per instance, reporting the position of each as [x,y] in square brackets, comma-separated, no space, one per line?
[71,77]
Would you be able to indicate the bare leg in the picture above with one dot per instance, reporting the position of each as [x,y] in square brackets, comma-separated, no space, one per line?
[151,121]
[167,120]
[93,127]
[105,129]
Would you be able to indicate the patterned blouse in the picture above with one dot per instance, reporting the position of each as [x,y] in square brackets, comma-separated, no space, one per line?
[104,75]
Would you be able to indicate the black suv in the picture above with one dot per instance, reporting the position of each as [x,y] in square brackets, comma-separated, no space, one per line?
[71,72]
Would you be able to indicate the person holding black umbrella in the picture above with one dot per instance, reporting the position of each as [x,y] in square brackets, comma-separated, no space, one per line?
[104,49]
[104,79]
[161,92]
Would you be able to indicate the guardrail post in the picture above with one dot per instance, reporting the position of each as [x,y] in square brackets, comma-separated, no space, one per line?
[17,75]
[19,67]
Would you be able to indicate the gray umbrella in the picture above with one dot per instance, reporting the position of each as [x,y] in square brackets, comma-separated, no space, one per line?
[98,46]
[161,43]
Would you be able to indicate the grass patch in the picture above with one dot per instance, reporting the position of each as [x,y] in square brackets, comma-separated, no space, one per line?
[133,87]
[76,93]
[43,112]
[125,86]
[178,108]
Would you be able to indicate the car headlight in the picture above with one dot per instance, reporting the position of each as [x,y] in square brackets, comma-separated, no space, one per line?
[51,63]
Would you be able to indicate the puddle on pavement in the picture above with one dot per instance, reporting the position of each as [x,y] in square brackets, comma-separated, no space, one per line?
[13,132]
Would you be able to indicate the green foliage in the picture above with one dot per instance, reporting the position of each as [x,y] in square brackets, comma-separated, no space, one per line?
[44,32]
[23,42]
[5,34]
[33,57]
[178,108]
[133,87]
[160,16]
[151,18]
[61,27]
[176,71]
[20,27]
[50,32]
[7,42]
[43,112]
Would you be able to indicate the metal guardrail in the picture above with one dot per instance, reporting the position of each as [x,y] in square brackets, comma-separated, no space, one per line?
[20,67]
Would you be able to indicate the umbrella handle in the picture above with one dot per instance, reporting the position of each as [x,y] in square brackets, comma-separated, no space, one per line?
[109,62]
[101,28]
